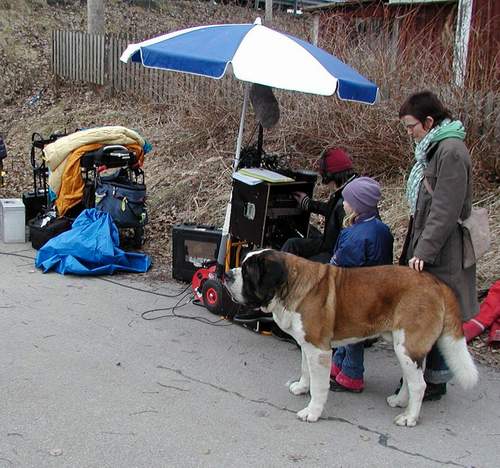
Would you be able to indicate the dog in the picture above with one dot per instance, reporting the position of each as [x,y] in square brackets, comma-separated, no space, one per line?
[322,306]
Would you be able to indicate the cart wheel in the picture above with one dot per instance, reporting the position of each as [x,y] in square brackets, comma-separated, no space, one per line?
[212,296]
[138,239]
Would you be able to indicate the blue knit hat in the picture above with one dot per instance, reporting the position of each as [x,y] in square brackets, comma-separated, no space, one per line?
[362,194]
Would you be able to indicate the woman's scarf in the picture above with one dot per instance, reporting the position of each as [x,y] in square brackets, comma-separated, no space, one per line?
[446,129]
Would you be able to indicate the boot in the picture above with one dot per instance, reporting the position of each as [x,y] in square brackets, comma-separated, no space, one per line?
[434,392]
[253,316]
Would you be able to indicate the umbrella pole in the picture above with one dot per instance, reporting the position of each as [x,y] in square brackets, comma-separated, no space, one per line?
[221,257]
[242,126]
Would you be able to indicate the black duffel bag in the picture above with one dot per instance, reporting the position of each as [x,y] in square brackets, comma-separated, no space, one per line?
[125,201]
[40,235]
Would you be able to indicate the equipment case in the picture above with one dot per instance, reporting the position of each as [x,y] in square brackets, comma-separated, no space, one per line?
[39,235]
[267,214]
[35,203]
[193,247]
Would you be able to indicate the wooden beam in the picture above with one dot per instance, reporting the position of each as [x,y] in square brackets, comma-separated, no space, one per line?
[461,47]
[269,11]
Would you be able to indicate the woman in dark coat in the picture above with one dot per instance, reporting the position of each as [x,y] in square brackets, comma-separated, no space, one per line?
[439,193]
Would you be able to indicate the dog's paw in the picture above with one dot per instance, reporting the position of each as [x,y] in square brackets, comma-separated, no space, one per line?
[308,415]
[395,401]
[405,419]
[298,388]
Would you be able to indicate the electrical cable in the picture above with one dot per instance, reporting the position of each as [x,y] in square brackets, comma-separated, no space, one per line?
[215,323]
[111,281]
[143,314]
[16,255]
[143,290]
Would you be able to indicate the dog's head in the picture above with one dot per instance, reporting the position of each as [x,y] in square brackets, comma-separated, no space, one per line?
[261,277]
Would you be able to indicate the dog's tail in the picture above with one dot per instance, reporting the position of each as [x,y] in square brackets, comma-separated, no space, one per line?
[452,343]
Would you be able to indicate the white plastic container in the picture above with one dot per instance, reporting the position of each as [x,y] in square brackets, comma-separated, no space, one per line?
[12,220]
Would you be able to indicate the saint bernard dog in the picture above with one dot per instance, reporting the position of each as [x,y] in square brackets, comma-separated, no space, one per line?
[323,306]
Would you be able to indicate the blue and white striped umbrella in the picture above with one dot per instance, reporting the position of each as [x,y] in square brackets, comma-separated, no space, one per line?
[256,54]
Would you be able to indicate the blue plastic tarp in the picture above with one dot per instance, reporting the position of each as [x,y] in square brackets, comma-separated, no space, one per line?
[90,247]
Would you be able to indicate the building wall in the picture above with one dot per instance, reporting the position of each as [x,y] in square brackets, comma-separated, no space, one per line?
[430,27]
[484,46]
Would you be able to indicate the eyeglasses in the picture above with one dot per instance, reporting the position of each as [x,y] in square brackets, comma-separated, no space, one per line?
[410,126]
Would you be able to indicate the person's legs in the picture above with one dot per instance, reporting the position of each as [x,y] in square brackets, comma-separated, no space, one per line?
[321,257]
[436,375]
[436,370]
[350,377]
[302,247]
[337,360]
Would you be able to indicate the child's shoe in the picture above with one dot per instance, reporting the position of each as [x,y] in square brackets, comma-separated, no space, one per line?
[343,383]
[334,371]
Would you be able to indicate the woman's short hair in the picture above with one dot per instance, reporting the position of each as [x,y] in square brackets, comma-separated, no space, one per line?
[425,104]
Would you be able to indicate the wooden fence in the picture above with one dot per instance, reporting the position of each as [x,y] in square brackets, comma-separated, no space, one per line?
[93,58]
[79,56]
